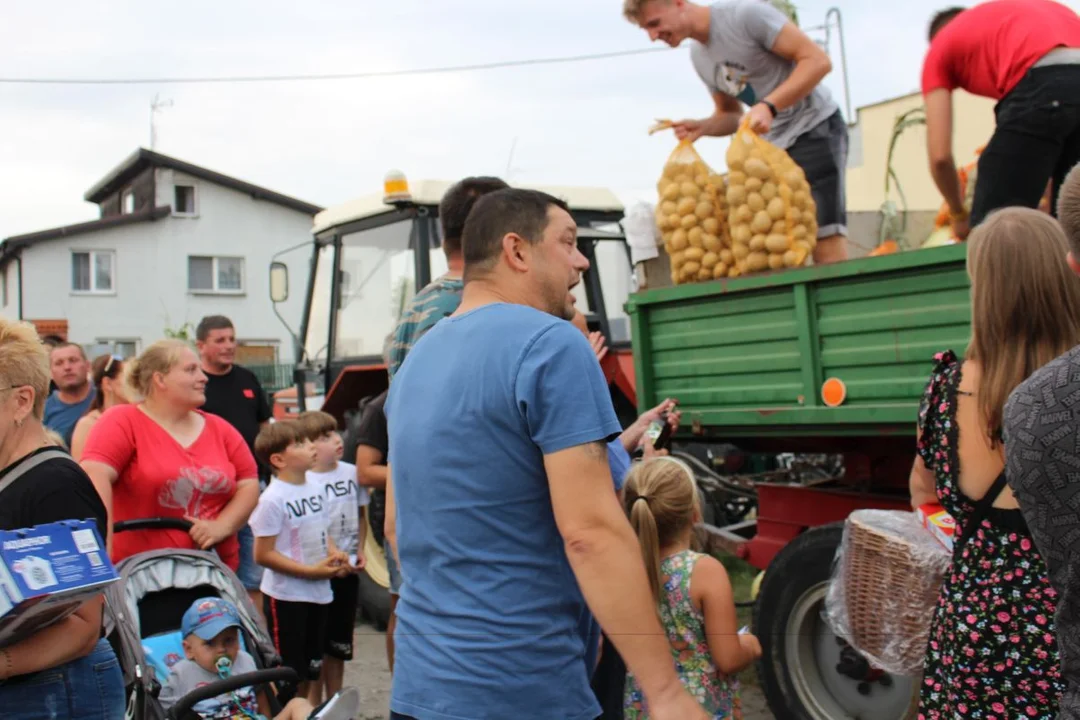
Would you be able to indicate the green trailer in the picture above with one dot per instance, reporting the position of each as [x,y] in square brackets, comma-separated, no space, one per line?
[748,359]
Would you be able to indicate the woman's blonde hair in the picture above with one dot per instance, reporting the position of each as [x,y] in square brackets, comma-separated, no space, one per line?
[161,357]
[661,499]
[24,361]
[1025,304]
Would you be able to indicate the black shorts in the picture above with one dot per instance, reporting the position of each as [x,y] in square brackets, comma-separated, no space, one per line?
[298,630]
[822,152]
[341,617]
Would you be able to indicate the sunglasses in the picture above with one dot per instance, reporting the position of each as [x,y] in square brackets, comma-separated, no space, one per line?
[113,359]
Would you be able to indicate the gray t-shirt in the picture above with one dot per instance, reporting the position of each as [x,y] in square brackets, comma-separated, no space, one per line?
[738,61]
[1042,455]
[186,677]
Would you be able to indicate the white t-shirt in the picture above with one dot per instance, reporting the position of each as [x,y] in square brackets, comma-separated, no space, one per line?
[344,498]
[297,515]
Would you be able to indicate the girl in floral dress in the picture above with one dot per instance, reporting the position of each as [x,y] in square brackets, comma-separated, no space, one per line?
[692,591]
[992,653]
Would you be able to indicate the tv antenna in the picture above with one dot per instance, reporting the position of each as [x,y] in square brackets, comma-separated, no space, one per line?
[156,106]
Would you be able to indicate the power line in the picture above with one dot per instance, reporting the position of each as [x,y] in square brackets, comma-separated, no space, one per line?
[330,76]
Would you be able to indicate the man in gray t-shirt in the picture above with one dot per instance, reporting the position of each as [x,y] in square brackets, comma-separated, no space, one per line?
[749,53]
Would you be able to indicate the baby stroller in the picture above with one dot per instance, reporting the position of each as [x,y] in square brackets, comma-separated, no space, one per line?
[142,621]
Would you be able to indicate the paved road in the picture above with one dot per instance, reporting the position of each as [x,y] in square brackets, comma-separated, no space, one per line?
[368,672]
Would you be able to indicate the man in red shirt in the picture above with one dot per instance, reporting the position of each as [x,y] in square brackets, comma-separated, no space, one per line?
[1026,55]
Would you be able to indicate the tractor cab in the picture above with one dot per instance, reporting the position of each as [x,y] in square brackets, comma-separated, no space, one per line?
[372,254]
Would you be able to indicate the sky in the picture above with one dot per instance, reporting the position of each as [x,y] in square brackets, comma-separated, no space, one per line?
[329,141]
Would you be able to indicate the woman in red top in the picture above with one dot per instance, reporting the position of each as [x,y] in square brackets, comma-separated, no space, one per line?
[162,457]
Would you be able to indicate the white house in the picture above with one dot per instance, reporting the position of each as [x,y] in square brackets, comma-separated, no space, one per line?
[174,242]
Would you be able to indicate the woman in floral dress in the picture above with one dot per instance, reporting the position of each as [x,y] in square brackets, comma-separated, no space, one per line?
[992,653]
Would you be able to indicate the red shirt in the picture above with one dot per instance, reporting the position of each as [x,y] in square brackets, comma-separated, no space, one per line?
[157,477]
[987,49]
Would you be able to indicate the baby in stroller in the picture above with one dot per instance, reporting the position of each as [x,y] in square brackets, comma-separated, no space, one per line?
[211,641]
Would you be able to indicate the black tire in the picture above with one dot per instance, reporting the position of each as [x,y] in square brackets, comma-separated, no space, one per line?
[794,577]
[374,602]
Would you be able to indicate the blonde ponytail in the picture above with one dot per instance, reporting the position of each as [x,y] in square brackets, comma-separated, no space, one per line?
[644,524]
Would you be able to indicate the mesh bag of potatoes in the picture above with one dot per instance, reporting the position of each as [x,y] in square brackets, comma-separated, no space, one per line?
[692,218]
[772,215]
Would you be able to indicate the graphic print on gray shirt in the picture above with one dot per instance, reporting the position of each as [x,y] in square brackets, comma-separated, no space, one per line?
[738,61]
[187,677]
[1042,453]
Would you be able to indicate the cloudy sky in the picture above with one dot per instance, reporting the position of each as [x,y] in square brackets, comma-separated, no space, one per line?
[329,141]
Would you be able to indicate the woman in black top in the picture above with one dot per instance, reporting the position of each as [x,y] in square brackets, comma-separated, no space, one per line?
[65,671]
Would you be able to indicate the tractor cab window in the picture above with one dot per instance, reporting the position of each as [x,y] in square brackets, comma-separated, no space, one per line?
[377,280]
[318,329]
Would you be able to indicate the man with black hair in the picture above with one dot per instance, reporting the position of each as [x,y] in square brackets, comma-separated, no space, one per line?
[235,394]
[499,480]
[1026,55]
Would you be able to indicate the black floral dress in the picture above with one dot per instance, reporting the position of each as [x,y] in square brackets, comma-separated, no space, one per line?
[992,653]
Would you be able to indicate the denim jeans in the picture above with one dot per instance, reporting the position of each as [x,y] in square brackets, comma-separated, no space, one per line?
[1037,140]
[90,688]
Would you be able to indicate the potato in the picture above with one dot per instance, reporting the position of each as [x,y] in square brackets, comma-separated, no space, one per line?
[701,176]
[795,257]
[779,227]
[777,209]
[757,243]
[694,253]
[738,152]
[800,199]
[670,191]
[688,221]
[741,266]
[739,251]
[755,202]
[685,206]
[704,274]
[741,234]
[727,256]
[711,226]
[757,168]
[704,210]
[682,177]
[675,277]
[690,269]
[761,222]
[734,272]
[768,191]
[742,214]
[798,232]
[736,195]
[712,243]
[785,193]
[757,261]
[669,207]
[736,178]
[777,243]
[801,245]
[795,176]
[663,223]
[709,260]
[679,240]
[720,270]
[795,215]
[776,262]
[677,259]
[689,190]
[753,185]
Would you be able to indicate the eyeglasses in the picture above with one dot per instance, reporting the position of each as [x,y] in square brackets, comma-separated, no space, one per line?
[13,387]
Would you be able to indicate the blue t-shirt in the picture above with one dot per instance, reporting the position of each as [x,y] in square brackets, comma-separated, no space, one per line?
[61,417]
[488,622]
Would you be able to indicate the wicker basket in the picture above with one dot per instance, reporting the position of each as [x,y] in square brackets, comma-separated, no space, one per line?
[886,586]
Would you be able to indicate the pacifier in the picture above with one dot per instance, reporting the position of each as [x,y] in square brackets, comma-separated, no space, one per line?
[224,666]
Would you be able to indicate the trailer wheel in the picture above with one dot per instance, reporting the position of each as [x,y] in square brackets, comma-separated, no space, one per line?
[801,668]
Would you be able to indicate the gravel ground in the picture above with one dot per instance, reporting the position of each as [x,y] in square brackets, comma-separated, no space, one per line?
[368,672]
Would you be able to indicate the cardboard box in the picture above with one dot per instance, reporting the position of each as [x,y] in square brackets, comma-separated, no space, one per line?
[46,573]
[939,522]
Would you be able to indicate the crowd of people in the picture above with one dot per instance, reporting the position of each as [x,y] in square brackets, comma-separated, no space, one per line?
[536,568]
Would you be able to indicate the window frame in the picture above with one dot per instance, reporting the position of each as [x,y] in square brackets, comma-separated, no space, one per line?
[93,254]
[215,275]
[128,193]
[194,200]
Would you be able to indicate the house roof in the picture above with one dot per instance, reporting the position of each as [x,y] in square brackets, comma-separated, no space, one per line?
[15,242]
[430,192]
[142,158]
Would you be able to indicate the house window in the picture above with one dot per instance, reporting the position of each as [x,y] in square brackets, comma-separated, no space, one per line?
[125,349]
[127,202]
[92,271]
[184,200]
[215,274]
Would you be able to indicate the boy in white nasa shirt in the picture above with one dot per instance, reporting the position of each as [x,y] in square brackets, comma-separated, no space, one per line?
[292,541]
[345,501]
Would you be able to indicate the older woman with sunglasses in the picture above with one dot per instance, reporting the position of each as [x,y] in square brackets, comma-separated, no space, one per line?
[107,372]
[65,671]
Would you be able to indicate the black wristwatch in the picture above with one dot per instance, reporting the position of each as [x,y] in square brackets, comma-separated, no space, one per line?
[772,108]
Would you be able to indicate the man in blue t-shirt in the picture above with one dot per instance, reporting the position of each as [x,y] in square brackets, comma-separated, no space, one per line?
[505,511]
[74,392]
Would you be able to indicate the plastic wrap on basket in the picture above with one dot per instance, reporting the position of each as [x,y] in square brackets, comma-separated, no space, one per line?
[885,585]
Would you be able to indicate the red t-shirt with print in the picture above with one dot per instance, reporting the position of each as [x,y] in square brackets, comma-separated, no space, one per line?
[158,477]
[988,48]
